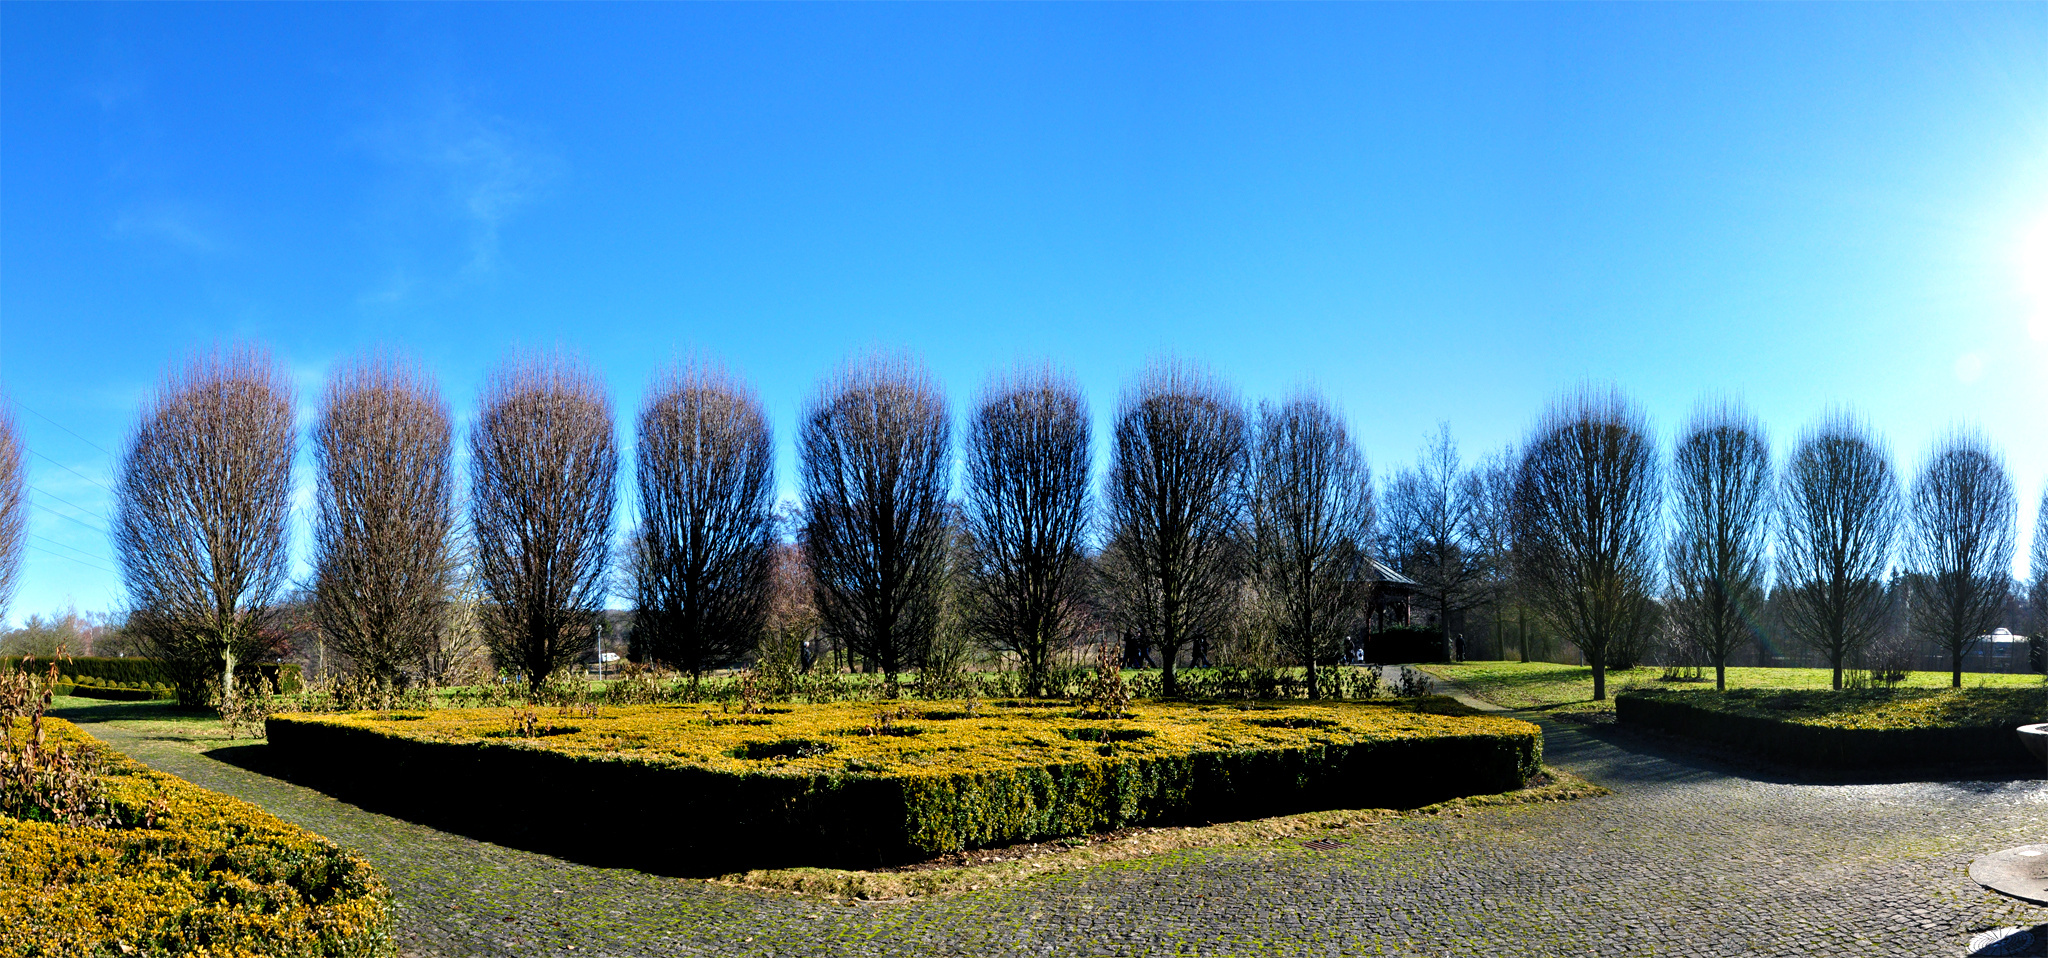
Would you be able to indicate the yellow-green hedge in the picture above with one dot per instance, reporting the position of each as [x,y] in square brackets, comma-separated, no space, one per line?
[213,877]
[1855,728]
[705,791]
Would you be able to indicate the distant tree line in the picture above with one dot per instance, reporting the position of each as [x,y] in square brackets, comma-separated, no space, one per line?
[1219,530]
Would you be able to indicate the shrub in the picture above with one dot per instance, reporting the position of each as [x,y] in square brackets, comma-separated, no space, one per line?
[1848,729]
[824,784]
[180,870]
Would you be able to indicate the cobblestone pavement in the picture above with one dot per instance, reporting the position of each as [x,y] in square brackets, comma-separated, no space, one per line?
[1687,857]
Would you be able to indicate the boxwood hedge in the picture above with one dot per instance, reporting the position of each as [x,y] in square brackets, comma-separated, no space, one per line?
[180,870]
[862,784]
[1871,728]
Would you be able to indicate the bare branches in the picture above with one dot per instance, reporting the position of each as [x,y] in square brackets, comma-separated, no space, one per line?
[1964,522]
[1431,512]
[1311,514]
[383,573]
[1027,511]
[1840,520]
[203,502]
[13,506]
[2038,569]
[543,463]
[705,549]
[874,454]
[1721,473]
[1173,502]
[1586,510]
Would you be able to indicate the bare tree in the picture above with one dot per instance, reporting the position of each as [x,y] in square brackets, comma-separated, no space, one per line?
[792,622]
[705,548]
[543,465]
[382,564]
[1964,522]
[1173,505]
[1721,473]
[1027,511]
[1586,521]
[2038,569]
[1490,488]
[1311,514]
[1839,521]
[1430,514]
[201,515]
[874,458]
[13,506]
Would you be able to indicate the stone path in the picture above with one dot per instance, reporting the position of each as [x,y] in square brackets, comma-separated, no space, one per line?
[1685,858]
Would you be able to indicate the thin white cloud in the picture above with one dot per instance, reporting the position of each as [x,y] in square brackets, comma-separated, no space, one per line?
[456,165]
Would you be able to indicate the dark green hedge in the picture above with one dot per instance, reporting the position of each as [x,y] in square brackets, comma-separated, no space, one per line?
[695,821]
[134,671]
[1692,714]
[113,694]
[143,672]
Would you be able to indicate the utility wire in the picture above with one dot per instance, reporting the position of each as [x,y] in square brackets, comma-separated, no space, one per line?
[70,470]
[47,495]
[74,435]
[59,555]
[60,515]
[61,545]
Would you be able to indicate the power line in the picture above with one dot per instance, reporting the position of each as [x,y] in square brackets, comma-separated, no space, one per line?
[49,495]
[70,470]
[61,545]
[60,515]
[58,555]
[74,435]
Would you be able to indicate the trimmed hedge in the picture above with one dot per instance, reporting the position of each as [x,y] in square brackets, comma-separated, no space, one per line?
[117,693]
[107,669]
[182,871]
[1848,729]
[843,784]
[143,673]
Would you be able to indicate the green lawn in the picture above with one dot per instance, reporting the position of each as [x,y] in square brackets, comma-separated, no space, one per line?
[161,721]
[1568,689]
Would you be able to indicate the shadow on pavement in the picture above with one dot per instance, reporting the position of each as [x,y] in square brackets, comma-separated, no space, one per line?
[2010,943]
[1688,758]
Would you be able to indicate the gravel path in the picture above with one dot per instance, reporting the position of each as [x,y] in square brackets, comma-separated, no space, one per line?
[1687,857]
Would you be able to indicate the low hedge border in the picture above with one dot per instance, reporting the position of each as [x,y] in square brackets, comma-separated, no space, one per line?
[104,668]
[117,693]
[182,871]
[1744,720]
[725,793]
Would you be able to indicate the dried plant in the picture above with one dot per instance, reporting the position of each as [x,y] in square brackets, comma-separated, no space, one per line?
[1311,514]
[1027,512]
[543,465]
[1109,696]
[1586,514]
[874,455]
[41,780]
[13,506]
[1721,475]
[201,518]
[1173,504]
[704,553]
[1964,522]
[383,566]
[1839,522]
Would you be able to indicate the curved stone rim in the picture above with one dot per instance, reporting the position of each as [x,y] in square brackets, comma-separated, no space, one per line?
[2020,873]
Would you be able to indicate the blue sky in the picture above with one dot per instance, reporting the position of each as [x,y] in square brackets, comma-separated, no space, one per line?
[1432,213]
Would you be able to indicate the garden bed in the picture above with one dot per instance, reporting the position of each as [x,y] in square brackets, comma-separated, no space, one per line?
[1848,729]
[691,791]
[175,869]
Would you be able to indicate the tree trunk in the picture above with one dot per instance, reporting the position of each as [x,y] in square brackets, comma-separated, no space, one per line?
[227,677]
[1721,676]
[1312,678]
[1600,676]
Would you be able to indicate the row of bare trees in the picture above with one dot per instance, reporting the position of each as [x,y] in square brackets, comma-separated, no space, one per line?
[1212,514]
